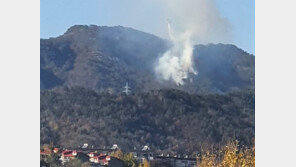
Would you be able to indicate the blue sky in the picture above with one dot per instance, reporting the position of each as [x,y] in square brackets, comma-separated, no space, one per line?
[56,16]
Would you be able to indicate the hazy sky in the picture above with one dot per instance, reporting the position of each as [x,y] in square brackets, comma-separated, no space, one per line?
[56,16]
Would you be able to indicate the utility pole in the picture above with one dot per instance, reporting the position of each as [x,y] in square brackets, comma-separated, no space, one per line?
[126,89]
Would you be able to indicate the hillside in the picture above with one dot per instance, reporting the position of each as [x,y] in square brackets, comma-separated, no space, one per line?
[169,121]
[100,58]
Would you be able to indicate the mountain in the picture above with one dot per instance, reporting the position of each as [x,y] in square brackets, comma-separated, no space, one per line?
[83,72]
[169,121]
[101,58]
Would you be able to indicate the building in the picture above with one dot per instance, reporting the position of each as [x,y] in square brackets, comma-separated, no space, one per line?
[145,148]
[100,159]
[114,147]
[45,152]
[92,154]
[56,150]
[67,155]
[48,151]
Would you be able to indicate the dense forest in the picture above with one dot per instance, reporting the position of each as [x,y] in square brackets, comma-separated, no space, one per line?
[168,120]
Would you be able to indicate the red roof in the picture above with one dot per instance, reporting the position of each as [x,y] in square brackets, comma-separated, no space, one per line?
[102,158]
[45,152]
[69,153]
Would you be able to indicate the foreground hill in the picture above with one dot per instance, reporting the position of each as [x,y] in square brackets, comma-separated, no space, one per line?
[166,120]
[103,58]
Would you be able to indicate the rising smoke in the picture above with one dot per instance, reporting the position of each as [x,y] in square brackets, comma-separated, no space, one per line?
[194,21]
[176,63]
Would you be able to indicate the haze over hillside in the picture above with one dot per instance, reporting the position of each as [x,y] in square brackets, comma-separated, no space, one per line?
[102,58]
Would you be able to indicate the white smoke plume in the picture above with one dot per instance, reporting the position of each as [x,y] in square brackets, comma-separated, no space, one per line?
[195,21]
[176,63]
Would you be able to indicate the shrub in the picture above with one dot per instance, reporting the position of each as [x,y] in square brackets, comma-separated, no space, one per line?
[232,156]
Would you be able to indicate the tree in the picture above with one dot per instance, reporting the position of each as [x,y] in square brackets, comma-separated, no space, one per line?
[117,154]
[129,160]
[74,163]
[52,160]
[232,156]
[144,164]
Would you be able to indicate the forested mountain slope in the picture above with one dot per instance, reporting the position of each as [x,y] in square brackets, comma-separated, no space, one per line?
[166,120]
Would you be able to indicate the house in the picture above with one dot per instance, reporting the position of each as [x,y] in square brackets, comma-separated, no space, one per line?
[92,154]
[114,147]
[100,159]
[85,145]
[48,151]
[67,155]
[112,162]
[45,152]
[145,148]
[56,150]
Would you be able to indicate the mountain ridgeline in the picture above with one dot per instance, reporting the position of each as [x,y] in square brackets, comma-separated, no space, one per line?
[100,58]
